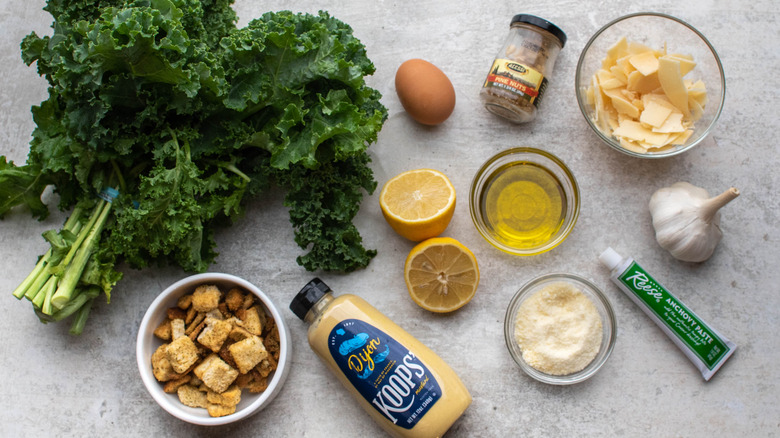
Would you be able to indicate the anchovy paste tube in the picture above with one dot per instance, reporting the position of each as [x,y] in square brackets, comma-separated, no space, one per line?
[702,344]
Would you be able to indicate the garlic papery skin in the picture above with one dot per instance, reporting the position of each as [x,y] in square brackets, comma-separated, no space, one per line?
[687,220]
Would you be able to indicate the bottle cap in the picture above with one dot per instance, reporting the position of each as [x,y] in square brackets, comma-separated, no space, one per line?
[610,258]
[308,296]
[541,23]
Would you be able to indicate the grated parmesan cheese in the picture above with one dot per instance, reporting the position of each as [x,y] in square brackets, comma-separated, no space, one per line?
[558,329]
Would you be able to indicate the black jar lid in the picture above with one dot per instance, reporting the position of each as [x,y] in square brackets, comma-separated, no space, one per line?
[542,24]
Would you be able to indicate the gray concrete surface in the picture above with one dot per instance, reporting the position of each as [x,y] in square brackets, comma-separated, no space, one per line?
[54,384]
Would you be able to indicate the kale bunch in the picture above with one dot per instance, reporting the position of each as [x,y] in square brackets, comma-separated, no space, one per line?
[188,117]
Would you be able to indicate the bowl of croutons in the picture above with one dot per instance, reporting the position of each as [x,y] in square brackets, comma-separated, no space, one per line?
[213,349]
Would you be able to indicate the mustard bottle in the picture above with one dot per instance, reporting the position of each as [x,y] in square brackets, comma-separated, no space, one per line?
[403,385]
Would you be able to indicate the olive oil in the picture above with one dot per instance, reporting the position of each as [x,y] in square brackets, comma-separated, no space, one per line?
[523,204]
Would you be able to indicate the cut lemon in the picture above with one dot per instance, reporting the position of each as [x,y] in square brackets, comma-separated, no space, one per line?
[418,204]
[441,274]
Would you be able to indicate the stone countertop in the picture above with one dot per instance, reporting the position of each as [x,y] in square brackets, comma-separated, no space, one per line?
[55,384]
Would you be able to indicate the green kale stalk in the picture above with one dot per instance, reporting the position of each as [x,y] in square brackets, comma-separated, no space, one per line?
[185,118]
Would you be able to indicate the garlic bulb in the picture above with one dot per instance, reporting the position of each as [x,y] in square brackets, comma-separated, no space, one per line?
[687,220]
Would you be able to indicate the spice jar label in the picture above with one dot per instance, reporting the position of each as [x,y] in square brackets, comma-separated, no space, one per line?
[519,79]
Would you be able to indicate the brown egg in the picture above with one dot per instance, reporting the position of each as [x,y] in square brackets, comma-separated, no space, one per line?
[425,91]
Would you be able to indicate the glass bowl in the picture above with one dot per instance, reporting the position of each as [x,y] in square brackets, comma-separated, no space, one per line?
[147,343]
[543,225]
[656,31]
[599,300]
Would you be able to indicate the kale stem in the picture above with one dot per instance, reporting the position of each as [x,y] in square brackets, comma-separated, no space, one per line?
[70,279]
[33,296]
[80,320]
[119,176]
[82,235]
[80,297]
[48,292]
[232,167]
[24,289]
[35,287]
[40,297]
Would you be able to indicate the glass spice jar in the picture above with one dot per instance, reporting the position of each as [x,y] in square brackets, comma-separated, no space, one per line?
[517,79]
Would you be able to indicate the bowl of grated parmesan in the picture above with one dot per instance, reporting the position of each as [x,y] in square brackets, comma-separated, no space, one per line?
[560,328]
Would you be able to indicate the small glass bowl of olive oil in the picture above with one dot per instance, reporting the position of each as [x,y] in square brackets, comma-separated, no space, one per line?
[524,201]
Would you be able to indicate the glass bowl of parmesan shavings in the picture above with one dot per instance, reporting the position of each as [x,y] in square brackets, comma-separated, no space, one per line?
[650,85]
[560,328]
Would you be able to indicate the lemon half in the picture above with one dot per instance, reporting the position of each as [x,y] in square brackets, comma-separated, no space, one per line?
[441,274]
[418,204]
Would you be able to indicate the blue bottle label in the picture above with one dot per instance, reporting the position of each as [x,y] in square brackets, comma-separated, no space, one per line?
[389,376]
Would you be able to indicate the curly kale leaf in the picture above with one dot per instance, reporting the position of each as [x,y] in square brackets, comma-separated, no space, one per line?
[323,203]
[192,117]
[22,185]
[297,82]
[175,202]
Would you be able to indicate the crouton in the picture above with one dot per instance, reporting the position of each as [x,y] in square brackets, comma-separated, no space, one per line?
[192,396]
[214,334]
[243,380]
[215,373]
[234,299]
[182,353]
[224,353]
[251,321]
[176,313]
[195,325]
[219,410]
[249,300]
[191,315]
[223,309]
[161,366]
[184,302]
[173,385]
[266,366]
[271,343]
[258,384]
[239,333]
[163,331]
[177,328]
[216,314]
[264,318]
[206,298]
[248,353]
[230,397]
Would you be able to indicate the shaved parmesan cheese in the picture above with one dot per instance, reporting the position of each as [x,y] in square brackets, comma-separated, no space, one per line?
[672,124]
[682,137]
[621,104]
[619,73]
[632,146]
[608,80]
[642,84]
[635,131]
[645,63]
[686,63]
[641,98]
[672,82]
[655,114]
